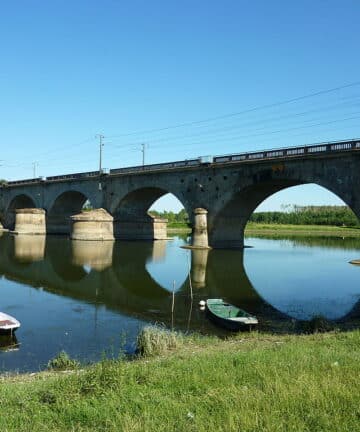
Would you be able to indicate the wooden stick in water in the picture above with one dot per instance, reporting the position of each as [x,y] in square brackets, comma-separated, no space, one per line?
[173,306]
[191,290]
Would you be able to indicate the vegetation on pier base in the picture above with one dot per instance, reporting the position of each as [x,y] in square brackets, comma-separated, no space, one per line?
[250,382]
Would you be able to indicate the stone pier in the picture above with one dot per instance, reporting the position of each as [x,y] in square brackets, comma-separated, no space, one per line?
[148,228]
[200,233]
[30,221]
[92,225]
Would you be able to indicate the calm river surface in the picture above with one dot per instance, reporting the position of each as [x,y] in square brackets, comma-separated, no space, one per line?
[91,298]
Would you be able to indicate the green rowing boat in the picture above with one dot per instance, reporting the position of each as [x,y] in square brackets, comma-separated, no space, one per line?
[229,316]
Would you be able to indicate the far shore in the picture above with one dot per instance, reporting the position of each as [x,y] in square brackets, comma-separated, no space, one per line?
[279,229]
[301,230]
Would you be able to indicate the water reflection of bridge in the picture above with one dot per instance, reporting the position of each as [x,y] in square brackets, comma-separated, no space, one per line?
[116,275]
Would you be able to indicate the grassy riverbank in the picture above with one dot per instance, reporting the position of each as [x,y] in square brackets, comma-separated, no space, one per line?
[307,230]
[282,229]
[250,382]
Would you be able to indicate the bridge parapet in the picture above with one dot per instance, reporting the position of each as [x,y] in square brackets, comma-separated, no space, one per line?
[279,153]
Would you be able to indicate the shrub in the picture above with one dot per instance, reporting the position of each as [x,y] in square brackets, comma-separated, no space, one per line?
[62,362]
[318,324]
[155,340]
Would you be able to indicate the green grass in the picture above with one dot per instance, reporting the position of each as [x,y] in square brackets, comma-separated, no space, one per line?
[250,382]
[174,226]
[257,228]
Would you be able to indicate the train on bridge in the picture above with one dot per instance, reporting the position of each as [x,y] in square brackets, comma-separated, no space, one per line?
[289,152]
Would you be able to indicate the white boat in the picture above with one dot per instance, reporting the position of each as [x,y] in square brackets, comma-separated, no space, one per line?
[8,324]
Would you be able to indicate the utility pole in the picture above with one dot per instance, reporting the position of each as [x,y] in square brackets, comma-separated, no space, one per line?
[101,145]
[34,165]
[143,146]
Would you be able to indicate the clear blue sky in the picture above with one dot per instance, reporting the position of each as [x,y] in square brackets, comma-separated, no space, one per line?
[71,69]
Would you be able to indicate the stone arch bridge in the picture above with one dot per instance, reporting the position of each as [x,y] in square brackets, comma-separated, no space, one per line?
[219,193]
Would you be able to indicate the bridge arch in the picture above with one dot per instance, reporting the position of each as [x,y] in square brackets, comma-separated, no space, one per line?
[20,201]
[66,204]
[226,227]
[131,213]
[138,201]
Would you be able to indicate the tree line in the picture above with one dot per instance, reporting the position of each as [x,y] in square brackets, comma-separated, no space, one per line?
[174,219]
[294,215]
[309,215]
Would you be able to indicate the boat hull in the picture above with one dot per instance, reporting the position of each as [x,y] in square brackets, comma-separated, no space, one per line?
[9,342]
[8,324]
[6,332]
[228,323]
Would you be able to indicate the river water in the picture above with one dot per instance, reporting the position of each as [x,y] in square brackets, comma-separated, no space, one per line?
[91,298]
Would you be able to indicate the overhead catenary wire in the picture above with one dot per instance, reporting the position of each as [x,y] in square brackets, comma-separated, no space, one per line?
[271,132]
[323,92]
[80,160]
[221,131]
[261,119]
[249,110]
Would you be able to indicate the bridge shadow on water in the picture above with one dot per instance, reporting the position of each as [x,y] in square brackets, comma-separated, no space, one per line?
[135,279]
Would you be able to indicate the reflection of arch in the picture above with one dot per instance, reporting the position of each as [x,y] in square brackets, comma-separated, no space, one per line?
[60,256]
[353,314]
[65,205]
[164,254]
[227,226]
[127,286]
[131,271]
[226,272]
[21,201]
[292,275]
